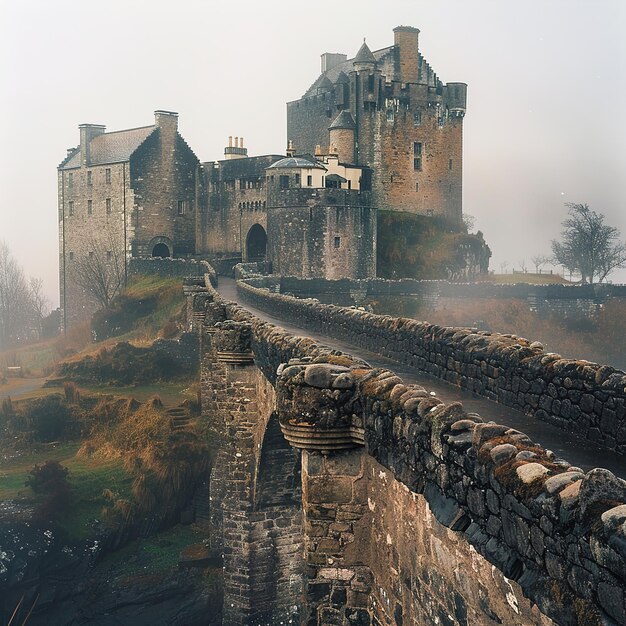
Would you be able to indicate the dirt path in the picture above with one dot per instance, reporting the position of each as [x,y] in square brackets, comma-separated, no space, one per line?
[17,387]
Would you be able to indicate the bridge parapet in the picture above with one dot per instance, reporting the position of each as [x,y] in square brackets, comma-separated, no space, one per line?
[586,398]
[403,525]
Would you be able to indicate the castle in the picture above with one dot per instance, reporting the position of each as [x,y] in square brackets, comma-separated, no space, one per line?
[379,131]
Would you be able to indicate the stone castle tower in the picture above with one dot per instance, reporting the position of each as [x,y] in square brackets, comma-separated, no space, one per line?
[389,111]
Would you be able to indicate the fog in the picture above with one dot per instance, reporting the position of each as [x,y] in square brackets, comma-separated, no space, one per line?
[544,125]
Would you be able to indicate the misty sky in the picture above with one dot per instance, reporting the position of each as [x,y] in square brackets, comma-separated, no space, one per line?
[545,122]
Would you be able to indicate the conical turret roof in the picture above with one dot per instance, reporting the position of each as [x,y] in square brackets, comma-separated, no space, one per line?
[343,120]
[364,55]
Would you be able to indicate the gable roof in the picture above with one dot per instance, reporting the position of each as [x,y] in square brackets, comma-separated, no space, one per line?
[115,147]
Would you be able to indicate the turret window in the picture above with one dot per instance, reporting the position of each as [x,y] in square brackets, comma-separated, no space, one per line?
[89,178]
[89,207]
[337,242]
[107,175]
[181,207]
[108,206]
[71,208]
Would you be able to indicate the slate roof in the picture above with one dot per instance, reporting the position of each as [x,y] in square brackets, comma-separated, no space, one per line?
[115,147]
[343,120]
[364,55]
[334,74]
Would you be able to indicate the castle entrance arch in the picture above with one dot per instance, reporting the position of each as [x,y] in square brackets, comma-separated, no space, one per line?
[161,250]
[161,247]
[256,244]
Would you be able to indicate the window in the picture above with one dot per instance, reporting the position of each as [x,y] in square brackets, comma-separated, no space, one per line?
[71,208]
[417,148]
[337,242]
[89,177]
[417,118]
[390,115]
[89,207]
[284,182]
[91,255]
[109,255]
[181,207]
[107,175]
[297,180]
[108,205]
[450,164]
[417,164]
[370,83]
[242,183]
[430,212]
[440,121]
[417,186]
[71,256]
[70,180]
[349,184]
[309,181]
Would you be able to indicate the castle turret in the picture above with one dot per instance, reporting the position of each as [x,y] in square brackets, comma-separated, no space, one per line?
[341,136]
[406,40]
[364,59]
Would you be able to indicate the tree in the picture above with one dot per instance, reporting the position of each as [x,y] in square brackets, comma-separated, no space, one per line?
[588,246]
[538,261]
[101,272]
[22,305]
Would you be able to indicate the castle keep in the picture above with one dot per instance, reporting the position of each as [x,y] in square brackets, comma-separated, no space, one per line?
[389,110]
[379,131]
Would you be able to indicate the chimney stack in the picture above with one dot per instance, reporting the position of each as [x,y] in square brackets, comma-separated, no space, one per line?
[406,41]
[236,151]
[87,133]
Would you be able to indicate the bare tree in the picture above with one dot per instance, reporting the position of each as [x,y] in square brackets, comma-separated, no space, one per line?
[15,300]
[523,266]
[503,267]
[588,246]
[101,272]
[539,260]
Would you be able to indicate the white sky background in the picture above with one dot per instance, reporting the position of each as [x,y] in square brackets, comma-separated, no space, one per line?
[546,119]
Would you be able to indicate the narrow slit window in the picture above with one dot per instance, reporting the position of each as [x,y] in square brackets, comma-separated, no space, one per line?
[108,206]
[89,207]
[337,242]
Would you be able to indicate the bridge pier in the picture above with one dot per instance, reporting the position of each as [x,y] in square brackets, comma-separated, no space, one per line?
[256,503]
[334,489]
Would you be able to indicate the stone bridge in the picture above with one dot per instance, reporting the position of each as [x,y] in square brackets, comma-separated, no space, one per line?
[342,496]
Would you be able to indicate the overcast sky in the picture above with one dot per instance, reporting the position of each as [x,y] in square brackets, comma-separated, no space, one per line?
[545,124]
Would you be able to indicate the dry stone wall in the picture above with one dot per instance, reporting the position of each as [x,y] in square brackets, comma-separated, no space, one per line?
[452,483]
[579,396]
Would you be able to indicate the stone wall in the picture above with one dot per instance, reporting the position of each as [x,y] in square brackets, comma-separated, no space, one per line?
[430,495]
[562,300]
[579,396]
[321,233]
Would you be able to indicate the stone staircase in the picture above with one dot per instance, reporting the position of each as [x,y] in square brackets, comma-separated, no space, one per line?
[180,419]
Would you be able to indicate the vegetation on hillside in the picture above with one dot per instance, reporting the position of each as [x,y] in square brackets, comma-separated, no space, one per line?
[416,246]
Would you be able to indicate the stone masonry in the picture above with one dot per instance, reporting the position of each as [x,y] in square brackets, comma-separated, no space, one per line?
[409,503]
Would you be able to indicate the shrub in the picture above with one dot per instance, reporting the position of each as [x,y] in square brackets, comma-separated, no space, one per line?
[50,479]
